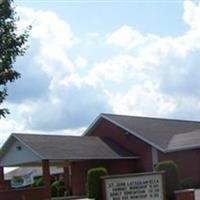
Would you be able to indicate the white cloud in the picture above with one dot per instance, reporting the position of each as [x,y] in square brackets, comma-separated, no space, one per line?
[67,102]
[81,62]
[143,100]
[125,37]
[169,64]
[55,37]
[8,126]
[93,35]
[118,70]
[145,75]
[128,37]
[192,14]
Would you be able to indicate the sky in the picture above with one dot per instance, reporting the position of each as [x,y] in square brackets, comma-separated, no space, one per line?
[89,57]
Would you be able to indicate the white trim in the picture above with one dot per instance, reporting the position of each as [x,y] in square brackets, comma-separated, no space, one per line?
[183,191]
[86,132]
[33,151]
[154,155]
[191,147]
[96,158]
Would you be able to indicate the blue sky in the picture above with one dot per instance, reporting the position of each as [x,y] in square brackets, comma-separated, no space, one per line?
[89,57]
[161,17]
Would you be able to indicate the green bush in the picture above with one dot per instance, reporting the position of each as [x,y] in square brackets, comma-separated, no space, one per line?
[171,176]
[38,182]
[93,185]
[58,189]
[188,183]
[54,190]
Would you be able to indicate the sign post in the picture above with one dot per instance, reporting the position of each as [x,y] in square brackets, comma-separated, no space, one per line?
[143,186]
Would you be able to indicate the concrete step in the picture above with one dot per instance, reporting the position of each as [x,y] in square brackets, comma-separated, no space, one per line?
[71,198]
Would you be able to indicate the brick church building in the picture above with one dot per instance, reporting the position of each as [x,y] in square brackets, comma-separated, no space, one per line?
[122,144]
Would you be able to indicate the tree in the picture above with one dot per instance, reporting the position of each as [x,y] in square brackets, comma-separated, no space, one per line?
[12,45]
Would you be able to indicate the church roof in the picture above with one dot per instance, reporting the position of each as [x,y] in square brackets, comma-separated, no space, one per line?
[59,148]
[164,134]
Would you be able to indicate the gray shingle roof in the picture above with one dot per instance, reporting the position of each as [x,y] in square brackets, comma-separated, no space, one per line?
[165,134]
[54,147]
[185,140]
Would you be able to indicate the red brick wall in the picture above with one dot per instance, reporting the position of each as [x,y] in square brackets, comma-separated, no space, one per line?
[130,142]
[24,194]
[188,162]
[79,171]
[185,195]
[107,130]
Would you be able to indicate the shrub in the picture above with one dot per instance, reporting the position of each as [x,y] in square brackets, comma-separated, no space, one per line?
[38,182]
[188,183]
[171,176]
[54,190]
[58,189]
[93,185]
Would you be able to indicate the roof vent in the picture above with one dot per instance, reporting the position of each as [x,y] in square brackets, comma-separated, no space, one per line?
[19,148]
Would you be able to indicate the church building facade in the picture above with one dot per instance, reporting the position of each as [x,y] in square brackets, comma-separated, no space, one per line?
[122,144]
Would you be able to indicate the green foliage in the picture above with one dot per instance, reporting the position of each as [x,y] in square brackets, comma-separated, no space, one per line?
[171,176]
[93,185]
[188,183]
[12,45]
[54,189]
[38,182]
[58,189]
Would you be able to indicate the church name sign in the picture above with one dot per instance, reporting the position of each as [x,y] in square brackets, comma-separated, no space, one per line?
[145,186]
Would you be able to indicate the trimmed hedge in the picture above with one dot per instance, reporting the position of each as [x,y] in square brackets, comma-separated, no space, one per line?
[58,189]
[171,176]
[188,183]
[93,185]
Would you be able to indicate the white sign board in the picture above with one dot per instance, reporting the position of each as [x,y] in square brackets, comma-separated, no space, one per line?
[135,186]
[22,181]
[197,194]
